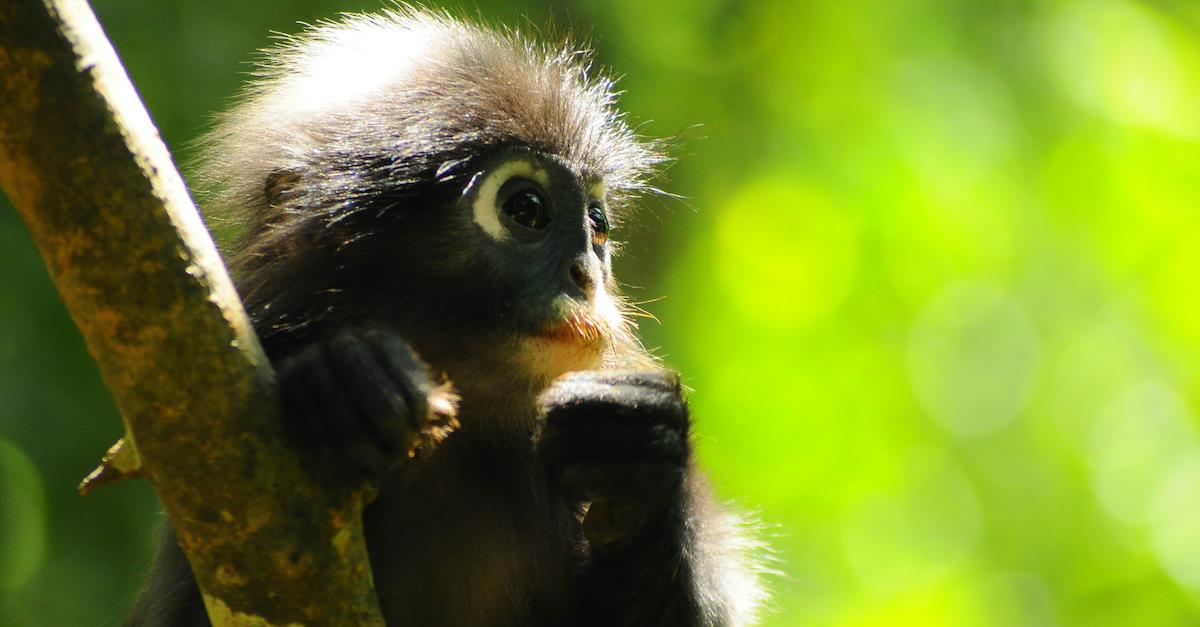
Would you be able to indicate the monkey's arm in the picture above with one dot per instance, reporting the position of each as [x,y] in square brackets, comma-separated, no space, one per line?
[360,399]
[365,399]
[619,441]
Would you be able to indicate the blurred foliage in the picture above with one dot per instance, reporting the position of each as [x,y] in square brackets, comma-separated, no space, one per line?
[935,282]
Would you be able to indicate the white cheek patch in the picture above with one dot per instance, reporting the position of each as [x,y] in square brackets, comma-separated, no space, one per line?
[485,209]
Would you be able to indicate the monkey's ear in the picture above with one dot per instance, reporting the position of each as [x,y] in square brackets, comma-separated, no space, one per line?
[280,186]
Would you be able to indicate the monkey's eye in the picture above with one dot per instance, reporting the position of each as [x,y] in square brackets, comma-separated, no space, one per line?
[599,224]
[527,208]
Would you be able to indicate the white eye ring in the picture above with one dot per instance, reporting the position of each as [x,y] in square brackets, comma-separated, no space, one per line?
[485,210]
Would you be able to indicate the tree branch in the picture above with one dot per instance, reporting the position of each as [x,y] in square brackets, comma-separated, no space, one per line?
[84,166]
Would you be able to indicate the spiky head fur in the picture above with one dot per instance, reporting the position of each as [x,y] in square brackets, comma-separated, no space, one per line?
[357,130]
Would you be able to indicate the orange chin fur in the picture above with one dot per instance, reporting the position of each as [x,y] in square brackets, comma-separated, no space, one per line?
[577,342]
[580,327]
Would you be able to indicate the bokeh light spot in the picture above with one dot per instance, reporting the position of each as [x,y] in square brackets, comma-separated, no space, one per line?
[972,358]
[908,536]
[1141,434]
[22,518]
[787,253]
[1124,61]
[951,121]
[1103,351]
[1174,533]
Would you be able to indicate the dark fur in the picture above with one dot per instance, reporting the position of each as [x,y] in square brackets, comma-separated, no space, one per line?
[558,502]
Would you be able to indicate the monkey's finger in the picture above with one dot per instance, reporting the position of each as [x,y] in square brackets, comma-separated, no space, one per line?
[340,419]
[626,481]
[611,441]
[303,410]
[614,386]
[409,374]
[594,400]
[571,389]
[383,408]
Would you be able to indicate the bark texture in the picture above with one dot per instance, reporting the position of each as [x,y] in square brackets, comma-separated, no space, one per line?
[84,166]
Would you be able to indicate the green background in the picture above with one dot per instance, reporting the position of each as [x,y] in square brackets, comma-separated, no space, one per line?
[935,280]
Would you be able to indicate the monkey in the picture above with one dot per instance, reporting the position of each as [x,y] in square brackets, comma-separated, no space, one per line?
[425,207]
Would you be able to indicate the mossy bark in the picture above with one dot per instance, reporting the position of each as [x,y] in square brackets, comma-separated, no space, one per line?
[84,166]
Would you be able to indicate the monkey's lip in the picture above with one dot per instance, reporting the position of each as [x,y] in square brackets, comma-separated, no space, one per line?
[579,330]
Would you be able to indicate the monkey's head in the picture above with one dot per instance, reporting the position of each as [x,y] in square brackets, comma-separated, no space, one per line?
[452,182]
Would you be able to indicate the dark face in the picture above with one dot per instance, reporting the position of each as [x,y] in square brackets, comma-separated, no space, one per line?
[506,271]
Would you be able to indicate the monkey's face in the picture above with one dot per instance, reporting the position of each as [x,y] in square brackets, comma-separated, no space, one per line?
[541,229]
[456,190]
[513,271]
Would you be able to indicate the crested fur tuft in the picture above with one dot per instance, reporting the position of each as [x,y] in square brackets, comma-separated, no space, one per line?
[402,99]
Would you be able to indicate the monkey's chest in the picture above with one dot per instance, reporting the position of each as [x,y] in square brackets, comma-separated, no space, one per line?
[472,545]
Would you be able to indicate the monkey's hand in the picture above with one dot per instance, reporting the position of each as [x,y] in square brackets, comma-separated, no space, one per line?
[617,441]
[365,397]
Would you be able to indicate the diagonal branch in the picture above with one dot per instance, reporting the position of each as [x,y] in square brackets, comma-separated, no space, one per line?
[84,166]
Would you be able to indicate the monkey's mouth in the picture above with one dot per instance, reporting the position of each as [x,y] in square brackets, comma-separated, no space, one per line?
[579,328]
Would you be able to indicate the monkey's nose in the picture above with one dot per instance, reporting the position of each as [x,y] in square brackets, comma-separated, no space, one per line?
[581,278]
